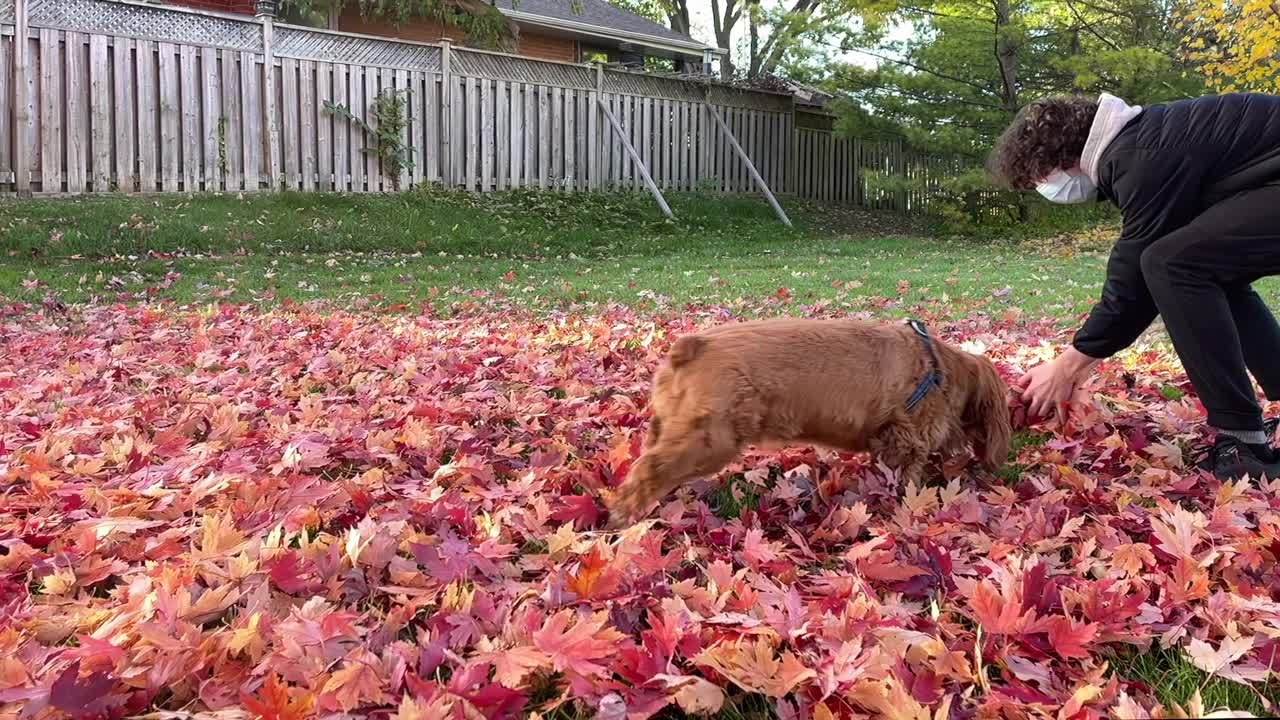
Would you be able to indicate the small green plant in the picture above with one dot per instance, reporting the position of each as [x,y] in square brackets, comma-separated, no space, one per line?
[1171,393]
[222,144]
[389,120]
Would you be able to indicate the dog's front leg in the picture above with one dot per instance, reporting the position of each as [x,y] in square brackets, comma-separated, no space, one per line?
[668,465]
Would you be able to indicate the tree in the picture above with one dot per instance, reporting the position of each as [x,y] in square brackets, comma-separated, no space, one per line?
[482,23]
[1236,43]
[966,67]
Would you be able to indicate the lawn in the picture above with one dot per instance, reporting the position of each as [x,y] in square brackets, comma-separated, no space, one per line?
[543,250]
[216,496]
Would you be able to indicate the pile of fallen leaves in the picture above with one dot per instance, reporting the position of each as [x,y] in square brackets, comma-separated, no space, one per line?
[300,513]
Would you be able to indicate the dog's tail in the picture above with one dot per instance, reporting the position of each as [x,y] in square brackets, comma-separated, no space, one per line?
[685,350]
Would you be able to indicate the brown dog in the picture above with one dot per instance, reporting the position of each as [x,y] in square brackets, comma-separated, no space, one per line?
[843,384]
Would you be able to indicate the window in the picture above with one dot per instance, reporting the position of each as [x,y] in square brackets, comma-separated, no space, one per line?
[315,16]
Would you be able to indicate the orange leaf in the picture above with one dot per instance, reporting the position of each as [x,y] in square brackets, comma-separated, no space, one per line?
[277,701]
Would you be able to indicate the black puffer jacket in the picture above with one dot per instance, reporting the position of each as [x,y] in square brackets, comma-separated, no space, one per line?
[1168,164]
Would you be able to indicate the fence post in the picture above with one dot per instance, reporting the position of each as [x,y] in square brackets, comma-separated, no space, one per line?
[22,146]
[793,152]
[751,168]
[707,146]
[901,167]
[635,158]
[597,152]
[266,12]
[446,111]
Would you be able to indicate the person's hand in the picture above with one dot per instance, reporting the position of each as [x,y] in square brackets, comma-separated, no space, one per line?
[1048,389]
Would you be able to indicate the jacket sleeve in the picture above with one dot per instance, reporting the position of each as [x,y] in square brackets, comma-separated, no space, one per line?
[1158,191]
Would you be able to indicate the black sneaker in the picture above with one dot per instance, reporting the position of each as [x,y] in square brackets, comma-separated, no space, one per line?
[1231,459]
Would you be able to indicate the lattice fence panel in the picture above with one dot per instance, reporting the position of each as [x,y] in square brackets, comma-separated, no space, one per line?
[628,83]
[6,11]
[502,67]
[336,47]
[152,23]
[733,97]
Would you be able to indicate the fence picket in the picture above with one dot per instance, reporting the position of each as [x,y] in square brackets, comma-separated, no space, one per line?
[417,109]
[456,113]
[289,123]
[192,153]
[486,135]
[356,142]
[308,110]
[125,136]
[77,100]
[99,113]
[557,139]
[8,96]
[230,137]
[570,181]
[544,138]
[515,110]
[430,151]
[502,114]
[148,117]
[473,136]
[530,130]
[324,126]
[251,122]
[341,132]
[211,117]
[406,96]
[170,121]
[373,174]
[51,74]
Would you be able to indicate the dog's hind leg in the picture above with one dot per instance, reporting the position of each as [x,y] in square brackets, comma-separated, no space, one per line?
[673,460]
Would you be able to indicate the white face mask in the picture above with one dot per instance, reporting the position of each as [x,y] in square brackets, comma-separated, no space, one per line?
[1067,187]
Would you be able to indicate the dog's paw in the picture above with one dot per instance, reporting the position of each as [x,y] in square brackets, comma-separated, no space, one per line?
[625,506]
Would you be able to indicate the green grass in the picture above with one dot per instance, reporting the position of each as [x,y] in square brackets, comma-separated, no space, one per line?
[539,249]
[1174,680]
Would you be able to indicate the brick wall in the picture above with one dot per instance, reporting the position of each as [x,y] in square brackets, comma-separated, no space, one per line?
[534,45]
[233,6]
[544,47]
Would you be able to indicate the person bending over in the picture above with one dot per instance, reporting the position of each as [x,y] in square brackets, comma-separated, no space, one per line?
[1198,185]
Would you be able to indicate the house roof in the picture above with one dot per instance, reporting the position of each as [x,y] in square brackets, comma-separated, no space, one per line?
[607,19]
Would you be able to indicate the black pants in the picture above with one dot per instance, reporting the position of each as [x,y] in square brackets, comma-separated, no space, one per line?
[1199,277]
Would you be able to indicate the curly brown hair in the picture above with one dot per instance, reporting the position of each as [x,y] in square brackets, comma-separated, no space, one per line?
[1046,135]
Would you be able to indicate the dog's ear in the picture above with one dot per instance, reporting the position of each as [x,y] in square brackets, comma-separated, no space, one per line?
[987,415]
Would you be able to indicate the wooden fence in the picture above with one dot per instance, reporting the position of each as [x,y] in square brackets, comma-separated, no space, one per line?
[102,95]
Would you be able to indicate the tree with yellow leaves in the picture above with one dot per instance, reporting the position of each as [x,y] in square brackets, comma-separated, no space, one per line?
[1237,43]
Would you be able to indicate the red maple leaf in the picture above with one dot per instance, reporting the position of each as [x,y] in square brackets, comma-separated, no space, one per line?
[288,572]
[276,701]
[1069,638]
[582,648]
[81,699]
[580,509]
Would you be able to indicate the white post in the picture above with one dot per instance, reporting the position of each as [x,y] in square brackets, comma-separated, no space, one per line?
[266,12]
[635,157]
[21,109]
[733,141]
